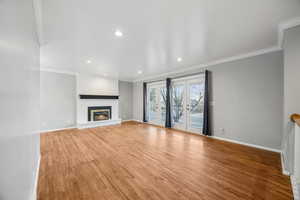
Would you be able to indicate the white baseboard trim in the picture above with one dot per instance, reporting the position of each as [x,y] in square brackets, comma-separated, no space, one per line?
[72,127]
[57,129]
[284,170]
[136,120]
[246,144]
[127,120]
[35,186]
[99,123]
[295,187]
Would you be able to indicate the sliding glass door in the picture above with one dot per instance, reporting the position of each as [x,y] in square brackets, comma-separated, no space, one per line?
[187,103]
[157,103]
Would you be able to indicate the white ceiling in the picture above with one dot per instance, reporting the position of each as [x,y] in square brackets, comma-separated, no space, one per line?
[156,32]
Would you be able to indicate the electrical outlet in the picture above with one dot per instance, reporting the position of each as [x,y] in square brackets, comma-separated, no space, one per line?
[222,131]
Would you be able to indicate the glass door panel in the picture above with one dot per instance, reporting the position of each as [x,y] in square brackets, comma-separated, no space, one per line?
[195,105]
[157,104]
[163,104]
[153,105]
[178,105]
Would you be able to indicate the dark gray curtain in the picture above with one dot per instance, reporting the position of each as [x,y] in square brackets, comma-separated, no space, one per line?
[145,102]
[206,118]
[168,104]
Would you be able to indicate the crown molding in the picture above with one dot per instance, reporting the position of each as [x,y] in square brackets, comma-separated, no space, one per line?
[213,63]
[58,71]
[76,74]
[285,26]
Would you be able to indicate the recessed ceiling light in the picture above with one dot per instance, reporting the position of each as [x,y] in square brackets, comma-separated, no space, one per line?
[179,59]
[118,33]
[139,71]
[88,61]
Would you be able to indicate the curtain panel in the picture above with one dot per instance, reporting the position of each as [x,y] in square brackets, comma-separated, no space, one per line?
[145,102]
[206,113]
[168,123]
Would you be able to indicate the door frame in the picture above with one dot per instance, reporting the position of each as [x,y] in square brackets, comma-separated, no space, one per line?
[157,86]
[189,122]
[180,126]
[187,119]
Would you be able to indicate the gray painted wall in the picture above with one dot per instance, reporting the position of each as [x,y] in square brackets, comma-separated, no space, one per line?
[58,100]
[138,101]
[126,100]
[19,94]
[247,99]
[291,89]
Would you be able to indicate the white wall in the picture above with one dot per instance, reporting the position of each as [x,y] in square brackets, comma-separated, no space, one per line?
[97,85]
[19,96]
[291,89]
[248,99]
[58,100]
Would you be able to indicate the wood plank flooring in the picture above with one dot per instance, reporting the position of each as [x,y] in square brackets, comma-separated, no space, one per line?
[138,161]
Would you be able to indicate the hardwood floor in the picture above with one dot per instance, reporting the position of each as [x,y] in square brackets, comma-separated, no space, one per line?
[140,161]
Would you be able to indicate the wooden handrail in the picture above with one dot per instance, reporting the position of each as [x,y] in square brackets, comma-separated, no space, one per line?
[296,118]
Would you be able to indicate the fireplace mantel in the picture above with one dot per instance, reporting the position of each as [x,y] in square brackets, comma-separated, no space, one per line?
[88,96]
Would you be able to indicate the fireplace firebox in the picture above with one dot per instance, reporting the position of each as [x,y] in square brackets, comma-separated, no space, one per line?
[99,113]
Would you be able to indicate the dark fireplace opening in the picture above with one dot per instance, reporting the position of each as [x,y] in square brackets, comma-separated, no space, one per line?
[99,113]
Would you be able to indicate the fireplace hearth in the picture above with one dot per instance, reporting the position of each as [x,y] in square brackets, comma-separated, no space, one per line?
[99,113]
